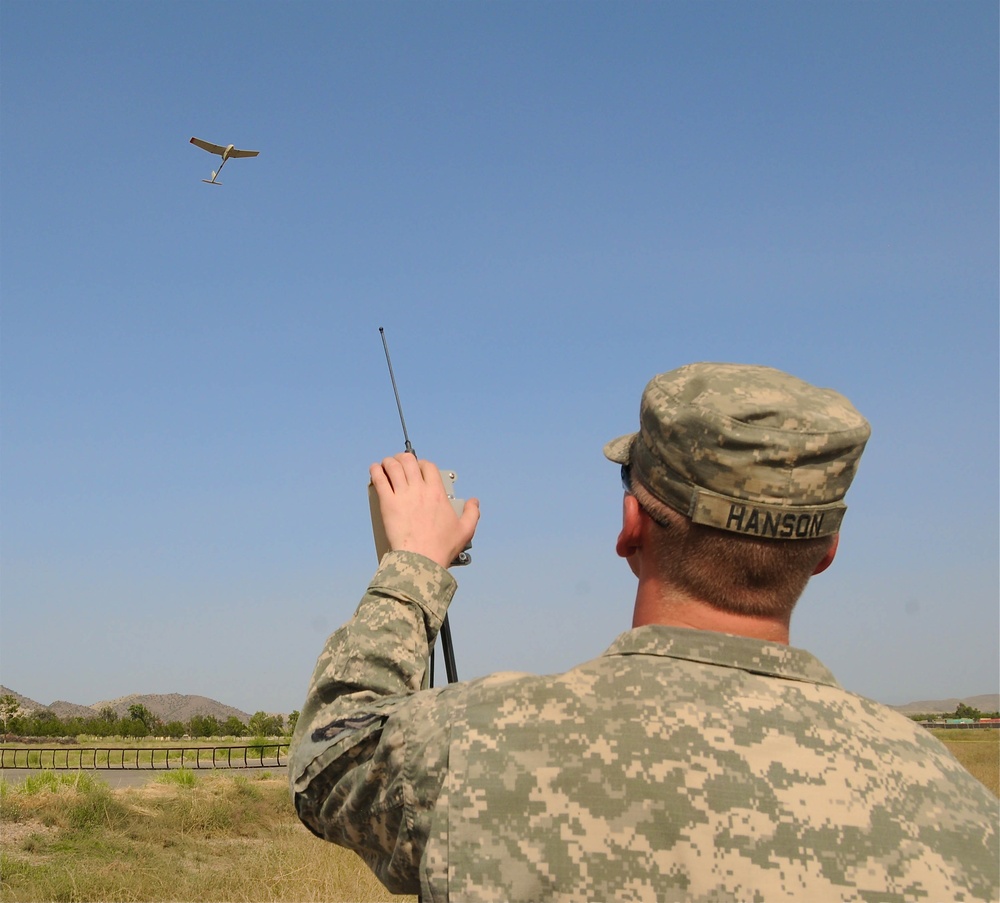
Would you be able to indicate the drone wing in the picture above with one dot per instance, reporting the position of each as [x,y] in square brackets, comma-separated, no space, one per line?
[211,148]
[242,153]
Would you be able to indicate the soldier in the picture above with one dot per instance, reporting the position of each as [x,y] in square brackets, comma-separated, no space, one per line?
[701,758]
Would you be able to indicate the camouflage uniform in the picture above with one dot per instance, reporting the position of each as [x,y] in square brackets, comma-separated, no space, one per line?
[680,765]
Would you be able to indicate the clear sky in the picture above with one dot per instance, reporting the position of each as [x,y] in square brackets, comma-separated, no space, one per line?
[544,204]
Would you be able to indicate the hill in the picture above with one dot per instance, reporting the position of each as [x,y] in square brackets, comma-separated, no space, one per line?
[173,706]
[989,702]
[182,707]
[63,710]
[166,706]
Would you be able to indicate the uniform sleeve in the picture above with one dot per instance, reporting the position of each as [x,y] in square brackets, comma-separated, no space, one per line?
[364,722]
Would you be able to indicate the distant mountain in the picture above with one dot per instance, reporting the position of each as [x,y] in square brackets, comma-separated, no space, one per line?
[27,705]
[64,710]
[166,706]
[173,707]
[988,703]
[182,707]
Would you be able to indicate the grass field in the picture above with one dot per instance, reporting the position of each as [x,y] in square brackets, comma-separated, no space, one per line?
[212,837]
[978,751]
[68,836]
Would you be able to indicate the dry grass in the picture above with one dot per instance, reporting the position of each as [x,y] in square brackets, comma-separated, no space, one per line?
[68,836]
[978,751]
[212,838]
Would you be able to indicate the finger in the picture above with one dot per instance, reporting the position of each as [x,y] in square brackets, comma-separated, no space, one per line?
[431,475]
[470,512]
[382,482]
[410,466]
[395,471]
[377,475]
[469,519]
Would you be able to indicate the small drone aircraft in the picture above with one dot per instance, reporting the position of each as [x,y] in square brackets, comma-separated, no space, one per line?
[224,152]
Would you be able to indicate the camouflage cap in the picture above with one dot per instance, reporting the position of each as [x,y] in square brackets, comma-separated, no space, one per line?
[745,448]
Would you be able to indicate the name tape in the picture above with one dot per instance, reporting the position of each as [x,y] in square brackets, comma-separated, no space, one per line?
[766,521]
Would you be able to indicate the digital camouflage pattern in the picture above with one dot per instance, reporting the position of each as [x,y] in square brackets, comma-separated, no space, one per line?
[680,765]
[744,448]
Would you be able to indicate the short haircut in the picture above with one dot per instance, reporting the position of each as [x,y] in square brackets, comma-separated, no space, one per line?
[731,572]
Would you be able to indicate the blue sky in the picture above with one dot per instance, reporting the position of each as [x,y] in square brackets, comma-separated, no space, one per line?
[544,204]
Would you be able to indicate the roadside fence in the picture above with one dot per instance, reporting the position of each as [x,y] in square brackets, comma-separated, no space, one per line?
[151,758]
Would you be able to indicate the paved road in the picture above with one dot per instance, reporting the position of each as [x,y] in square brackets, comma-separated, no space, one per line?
[132,777]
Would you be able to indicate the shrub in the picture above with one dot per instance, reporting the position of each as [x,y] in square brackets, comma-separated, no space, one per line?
[182,777]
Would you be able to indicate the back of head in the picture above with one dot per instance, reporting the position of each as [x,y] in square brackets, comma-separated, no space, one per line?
[751,465]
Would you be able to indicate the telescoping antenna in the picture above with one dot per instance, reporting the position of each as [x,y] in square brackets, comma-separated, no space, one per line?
[395,391]
[447,650]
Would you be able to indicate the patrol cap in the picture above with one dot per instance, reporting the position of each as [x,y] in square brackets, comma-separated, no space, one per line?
[745,448]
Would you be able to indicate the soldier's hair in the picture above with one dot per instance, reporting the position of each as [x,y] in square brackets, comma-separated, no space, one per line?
[734,573]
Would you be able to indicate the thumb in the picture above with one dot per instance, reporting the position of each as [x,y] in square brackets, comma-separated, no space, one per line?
[470,516]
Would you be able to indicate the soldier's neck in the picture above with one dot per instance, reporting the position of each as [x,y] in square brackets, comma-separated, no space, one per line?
[659,605]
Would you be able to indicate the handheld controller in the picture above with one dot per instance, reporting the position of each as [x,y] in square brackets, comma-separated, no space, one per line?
[448,477]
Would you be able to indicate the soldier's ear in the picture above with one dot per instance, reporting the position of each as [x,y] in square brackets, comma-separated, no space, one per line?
[630,537]
[827,559]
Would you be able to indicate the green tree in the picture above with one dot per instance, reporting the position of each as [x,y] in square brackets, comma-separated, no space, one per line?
[10,708]
[966,711]
[75,725]
[174,729]
[204,726]
[44,723]
[264,725]
[138,712]
[293,719]
[133,727]
[233,727]
[102,726]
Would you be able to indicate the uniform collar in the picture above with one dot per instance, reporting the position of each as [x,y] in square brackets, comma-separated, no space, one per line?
[724,650]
